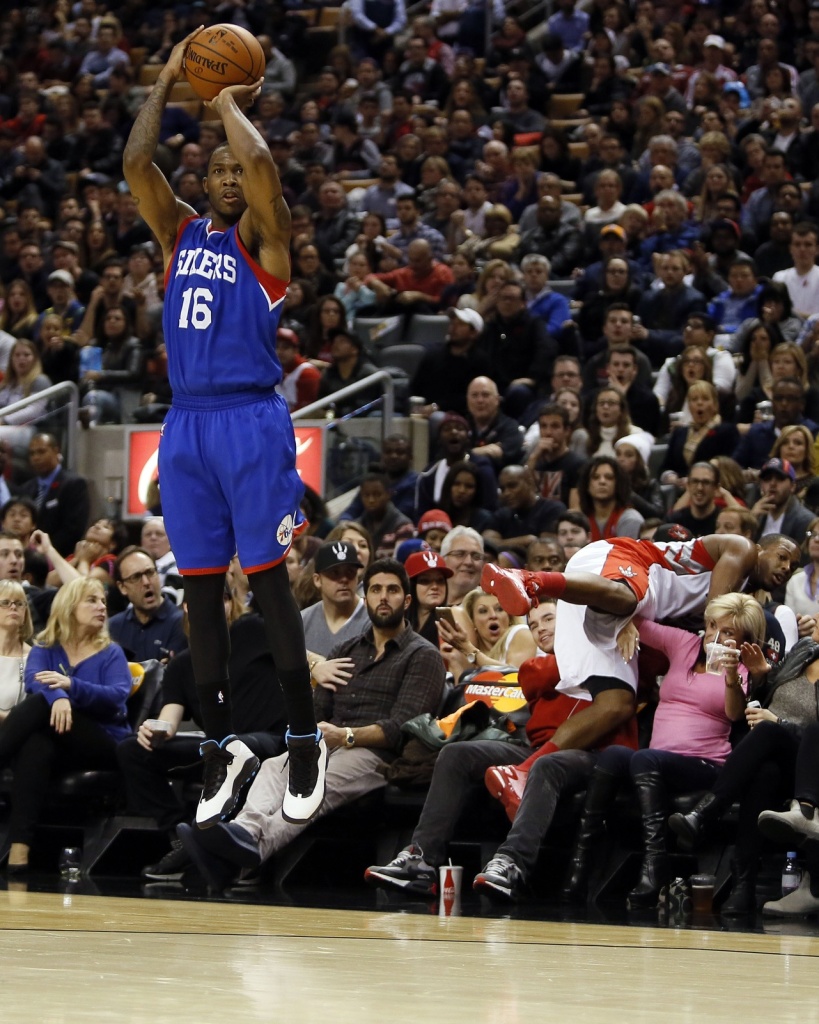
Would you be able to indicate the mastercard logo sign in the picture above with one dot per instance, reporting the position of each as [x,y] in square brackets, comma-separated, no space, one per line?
[496,688]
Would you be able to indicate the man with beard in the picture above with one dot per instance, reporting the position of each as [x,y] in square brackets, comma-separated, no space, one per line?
[396,675]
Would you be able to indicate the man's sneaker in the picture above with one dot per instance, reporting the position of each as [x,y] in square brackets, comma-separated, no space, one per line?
[228,767]
[307,766]
[171,867]
[789,826]
[217,872]
[506,783]
[515,589]
[232,843]
[501,877]
[799,903]
[408,872]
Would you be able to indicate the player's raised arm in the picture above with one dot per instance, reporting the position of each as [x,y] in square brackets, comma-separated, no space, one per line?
[158,206]
[265,226]
[735,559]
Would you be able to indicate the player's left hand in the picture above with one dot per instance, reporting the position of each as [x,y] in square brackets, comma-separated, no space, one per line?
[242,96]
[175,64]
[628,642]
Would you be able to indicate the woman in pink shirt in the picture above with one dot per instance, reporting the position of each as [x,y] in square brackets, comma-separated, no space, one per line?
[689,740]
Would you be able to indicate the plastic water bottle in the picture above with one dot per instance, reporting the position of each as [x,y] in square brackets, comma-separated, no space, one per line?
[791,874]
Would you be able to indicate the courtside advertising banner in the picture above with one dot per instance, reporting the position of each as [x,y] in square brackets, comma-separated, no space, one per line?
[140,457]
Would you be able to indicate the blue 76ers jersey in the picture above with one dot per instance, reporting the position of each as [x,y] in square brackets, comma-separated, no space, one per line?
[220,315]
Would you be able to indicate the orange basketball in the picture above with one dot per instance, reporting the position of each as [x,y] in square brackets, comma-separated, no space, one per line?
[223,55]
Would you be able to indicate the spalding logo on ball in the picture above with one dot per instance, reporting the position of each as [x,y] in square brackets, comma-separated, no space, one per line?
[223,55]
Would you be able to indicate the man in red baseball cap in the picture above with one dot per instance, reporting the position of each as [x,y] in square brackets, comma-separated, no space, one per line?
[300,379]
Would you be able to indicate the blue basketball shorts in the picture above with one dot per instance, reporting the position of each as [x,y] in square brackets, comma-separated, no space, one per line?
[228,481]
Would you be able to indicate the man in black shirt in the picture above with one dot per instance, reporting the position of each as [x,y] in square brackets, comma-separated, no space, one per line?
[448,366]
[555,468]
[523,515]
[151,625]
[699,513]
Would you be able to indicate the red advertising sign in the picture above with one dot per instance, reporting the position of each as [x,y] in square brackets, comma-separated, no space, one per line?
[310,456]
[141,448]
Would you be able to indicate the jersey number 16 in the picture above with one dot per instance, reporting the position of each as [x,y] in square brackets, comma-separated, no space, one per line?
[195,306]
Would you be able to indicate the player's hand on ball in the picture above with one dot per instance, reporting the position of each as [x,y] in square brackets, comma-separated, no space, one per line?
[242,95]
[176,62]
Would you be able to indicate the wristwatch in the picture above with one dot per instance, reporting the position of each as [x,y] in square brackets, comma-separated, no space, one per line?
[472,657]
[349,739]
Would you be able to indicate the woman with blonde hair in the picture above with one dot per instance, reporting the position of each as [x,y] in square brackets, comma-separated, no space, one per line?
[716,180]
[24,378]
[795,443]
[495,274]
[785,359]
[705,437]
[19,314]
[699,701]
[484,634]
[77,683]
[15,643]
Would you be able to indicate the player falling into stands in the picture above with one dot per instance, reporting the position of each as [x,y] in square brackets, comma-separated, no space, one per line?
[608,582]
[227,453]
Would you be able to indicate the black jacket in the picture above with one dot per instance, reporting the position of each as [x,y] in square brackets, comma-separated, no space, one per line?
[65,511]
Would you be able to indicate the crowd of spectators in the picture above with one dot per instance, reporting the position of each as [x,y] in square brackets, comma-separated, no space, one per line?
[612,213]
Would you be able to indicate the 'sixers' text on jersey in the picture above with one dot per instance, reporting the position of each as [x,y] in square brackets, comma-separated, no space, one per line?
[221,314]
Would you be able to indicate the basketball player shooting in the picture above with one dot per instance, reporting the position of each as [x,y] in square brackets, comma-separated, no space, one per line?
[227,454]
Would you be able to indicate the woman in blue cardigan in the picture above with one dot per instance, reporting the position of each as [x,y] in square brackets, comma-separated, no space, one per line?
[77,683]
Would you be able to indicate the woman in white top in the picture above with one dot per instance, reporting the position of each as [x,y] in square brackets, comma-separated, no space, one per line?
[608,421]
[15,630]
[802,591]
[24,377]
[484,635]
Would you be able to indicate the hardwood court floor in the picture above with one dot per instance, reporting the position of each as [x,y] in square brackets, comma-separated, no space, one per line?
[88,959]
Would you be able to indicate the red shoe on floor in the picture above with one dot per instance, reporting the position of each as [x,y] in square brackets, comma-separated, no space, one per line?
[515,589]
[505,782]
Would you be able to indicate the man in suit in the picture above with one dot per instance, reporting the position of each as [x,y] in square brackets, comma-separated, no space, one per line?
[663,311]
[62,499]
[788,400]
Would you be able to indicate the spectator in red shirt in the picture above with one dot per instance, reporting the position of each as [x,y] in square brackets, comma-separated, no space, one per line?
[416,288]
[300,380]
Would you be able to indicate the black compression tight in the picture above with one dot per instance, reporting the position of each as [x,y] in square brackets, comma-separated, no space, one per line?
[210,647]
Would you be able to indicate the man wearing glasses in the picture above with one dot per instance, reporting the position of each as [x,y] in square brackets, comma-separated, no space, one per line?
[462,550]
[151,625]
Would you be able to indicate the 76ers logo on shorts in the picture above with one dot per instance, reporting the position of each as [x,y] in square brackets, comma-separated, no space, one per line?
[284,534]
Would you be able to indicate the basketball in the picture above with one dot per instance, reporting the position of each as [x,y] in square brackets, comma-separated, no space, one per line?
[223,55]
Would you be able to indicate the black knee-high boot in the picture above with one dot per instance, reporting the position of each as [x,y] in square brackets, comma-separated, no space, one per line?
[654,869]
[599,796]
[742,898]
[691,827]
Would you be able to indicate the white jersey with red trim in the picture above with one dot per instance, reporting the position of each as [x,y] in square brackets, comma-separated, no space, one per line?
[684,557]
[221,314]
[670,579]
